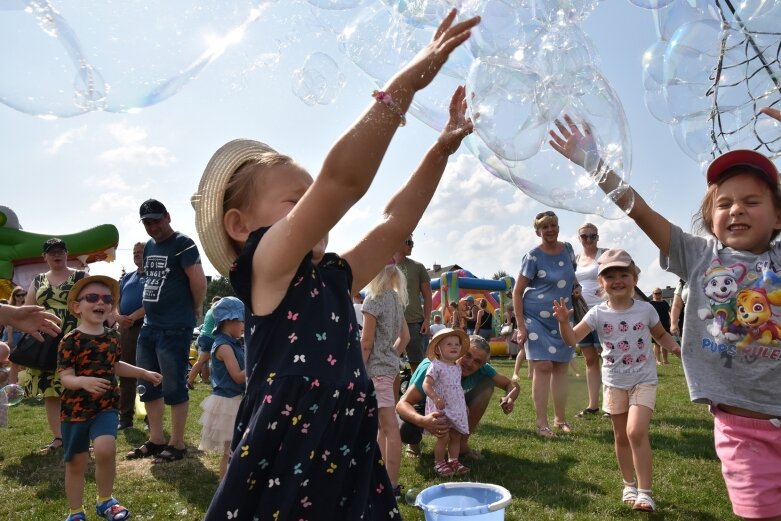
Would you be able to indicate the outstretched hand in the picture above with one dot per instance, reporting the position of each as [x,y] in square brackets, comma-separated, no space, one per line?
[773,113]
[573,144]
[31,319]
[560,310]
[427,63]
[458,126]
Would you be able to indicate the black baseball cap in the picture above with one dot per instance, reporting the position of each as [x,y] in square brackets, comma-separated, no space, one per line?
[152,209]
[54,243]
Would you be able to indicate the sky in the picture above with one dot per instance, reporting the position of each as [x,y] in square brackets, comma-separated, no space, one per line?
[64,175]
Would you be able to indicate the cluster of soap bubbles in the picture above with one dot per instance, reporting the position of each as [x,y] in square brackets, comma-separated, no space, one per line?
[527,65]
[715,64]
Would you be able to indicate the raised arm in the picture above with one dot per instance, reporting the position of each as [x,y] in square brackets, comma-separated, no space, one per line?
[406,207]
[580,147]
[349,168]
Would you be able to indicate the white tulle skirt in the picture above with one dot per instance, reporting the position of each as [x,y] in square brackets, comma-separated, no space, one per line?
[217,422]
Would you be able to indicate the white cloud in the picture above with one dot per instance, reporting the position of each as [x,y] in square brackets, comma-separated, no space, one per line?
[66,138]
[133,150]
[113,201]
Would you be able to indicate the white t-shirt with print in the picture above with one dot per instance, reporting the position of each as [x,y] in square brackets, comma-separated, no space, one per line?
[625,336]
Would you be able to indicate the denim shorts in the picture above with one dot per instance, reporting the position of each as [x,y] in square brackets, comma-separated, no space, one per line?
[165,351]
[590,340]
[76,436]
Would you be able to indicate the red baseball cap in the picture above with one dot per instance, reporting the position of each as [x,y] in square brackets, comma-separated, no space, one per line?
[750,158]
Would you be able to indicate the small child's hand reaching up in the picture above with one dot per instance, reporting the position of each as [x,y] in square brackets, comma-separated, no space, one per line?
[426,64]
[560,310]
[458,126]
[573,144]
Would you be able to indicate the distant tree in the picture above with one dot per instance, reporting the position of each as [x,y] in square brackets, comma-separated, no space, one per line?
[500,275]
[218,286]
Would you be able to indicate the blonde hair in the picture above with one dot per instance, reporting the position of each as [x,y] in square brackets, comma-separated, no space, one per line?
[543,219]
[389,277]
[588,226]
[14,292]
[242,186]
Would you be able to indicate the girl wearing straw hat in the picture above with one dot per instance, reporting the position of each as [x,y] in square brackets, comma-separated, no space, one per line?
[305,442]
[444,393]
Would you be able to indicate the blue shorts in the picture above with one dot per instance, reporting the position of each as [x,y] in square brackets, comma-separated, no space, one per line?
[590,340]
[165,351]
[77,436]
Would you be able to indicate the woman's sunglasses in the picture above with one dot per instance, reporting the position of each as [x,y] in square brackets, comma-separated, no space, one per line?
[20,295]
[93,298]
[409,242]
[589,236]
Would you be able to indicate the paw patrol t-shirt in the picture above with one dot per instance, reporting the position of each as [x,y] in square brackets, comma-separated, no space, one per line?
[625,336]
[732,322]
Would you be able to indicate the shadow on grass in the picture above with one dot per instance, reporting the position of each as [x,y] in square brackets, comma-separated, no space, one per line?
[191,479]
[42,473]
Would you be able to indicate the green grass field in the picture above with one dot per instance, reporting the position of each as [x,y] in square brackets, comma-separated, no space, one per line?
[573,477]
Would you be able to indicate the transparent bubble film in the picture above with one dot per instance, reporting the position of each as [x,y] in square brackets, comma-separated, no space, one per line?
[527,66]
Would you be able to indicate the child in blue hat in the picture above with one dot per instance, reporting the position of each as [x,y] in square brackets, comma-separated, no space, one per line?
[227,377]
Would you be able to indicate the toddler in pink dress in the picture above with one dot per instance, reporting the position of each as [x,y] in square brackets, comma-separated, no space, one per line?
[444,394]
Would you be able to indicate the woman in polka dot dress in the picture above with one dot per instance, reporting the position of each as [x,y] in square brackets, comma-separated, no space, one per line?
[547,274]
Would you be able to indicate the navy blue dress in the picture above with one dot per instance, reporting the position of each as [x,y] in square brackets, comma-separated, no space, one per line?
[305,442]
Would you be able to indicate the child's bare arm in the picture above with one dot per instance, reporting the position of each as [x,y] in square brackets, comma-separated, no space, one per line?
[348,171]
[403,339]
[126,370]
[225,353]
[579,147]
[665,339]
[570,335]
[90,384]
[428,388]
[367,335]
[406,207]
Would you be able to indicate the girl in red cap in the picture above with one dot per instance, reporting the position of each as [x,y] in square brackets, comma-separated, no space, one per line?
[732,328]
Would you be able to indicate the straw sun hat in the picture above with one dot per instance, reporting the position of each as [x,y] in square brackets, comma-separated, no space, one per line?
[208,200]
[431,352]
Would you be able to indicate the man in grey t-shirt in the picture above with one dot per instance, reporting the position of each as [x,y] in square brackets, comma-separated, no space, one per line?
[418,312]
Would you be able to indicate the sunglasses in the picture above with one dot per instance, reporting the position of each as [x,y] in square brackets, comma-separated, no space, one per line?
[93,298]
[589,236]
[544,214]
[22,295]
[657,293]
[409,242]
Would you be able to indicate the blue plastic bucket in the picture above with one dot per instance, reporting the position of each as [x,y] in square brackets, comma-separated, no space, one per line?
[450,501]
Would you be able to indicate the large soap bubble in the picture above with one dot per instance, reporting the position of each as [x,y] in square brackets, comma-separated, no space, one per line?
[503,101]
[86,58]
[12,394]
[319,80]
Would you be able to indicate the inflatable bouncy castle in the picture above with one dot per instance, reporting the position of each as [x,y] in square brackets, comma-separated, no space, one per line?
[452,286]
[20,250]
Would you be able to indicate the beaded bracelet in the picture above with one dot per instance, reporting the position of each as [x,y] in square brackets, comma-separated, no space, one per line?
[386,99]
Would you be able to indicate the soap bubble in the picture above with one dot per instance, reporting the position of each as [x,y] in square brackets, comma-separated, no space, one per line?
[411,495]
[319,80]
[92,61]
[12,394]
[336,5]
[563,12]
[141,389]
[652,4]
[503,103]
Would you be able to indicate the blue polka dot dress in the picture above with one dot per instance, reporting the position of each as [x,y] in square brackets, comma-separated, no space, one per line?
[305,442]
[551,277]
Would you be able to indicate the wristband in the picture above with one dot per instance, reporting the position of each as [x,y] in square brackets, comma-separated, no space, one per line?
[386,99]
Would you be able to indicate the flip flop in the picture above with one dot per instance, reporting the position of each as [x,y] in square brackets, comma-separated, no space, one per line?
[51,448]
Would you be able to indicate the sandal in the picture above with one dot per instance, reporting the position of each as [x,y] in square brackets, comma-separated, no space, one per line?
[587,412]
[545,432]
[78,516]
[564,426]
[147,449]
[412,453]
[629,495]
[169,454]
[443,469]
[111,510]
[644,501]
[458,467]
[51,448]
